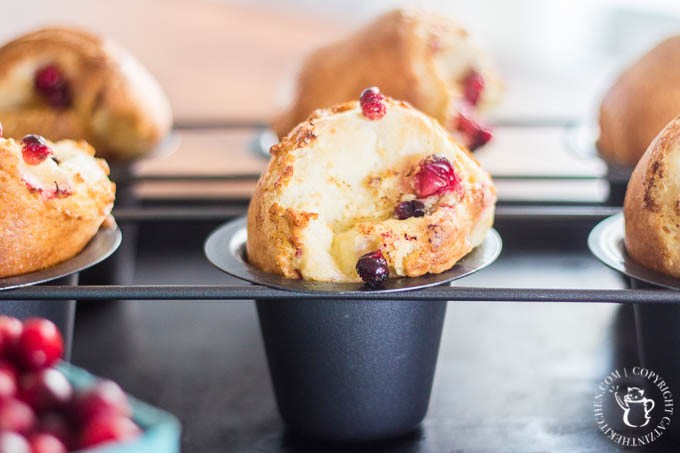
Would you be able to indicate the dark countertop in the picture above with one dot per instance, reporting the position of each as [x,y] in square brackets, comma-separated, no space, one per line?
[510,376]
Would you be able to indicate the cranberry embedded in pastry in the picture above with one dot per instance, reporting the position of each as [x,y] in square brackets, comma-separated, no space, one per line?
[435,175]
[473,85]
[372,268]
[473,133]
[51,84]
[372,103]
[407,209]
[35,149]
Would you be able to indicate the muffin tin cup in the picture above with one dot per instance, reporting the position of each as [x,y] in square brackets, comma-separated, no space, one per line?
[348,370]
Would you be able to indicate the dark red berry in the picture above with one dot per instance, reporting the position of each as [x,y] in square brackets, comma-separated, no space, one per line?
[473,85]
[40,344]
[108,428]
[408,209]
[46,443]
[16,416]
[56,424]
[435,175]
[51,84]
[474,133]
[372,103]
[45,389]
[10,330]
[372,268]
[105,397]
[35,149]
[13,443]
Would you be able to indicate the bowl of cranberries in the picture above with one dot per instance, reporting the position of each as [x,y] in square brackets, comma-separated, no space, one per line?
[49,406]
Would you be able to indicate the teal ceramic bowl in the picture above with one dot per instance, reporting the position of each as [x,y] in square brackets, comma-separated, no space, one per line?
[161,430]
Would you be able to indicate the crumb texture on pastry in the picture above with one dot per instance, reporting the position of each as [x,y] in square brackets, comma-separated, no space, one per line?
[332,185]
[111,100]
[413,55]
[652,204]
[644,98]
[50,210]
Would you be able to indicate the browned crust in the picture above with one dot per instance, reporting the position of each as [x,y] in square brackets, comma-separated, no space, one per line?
[645,97]
[384,54]
[36,233]
[647,216]
[122,112]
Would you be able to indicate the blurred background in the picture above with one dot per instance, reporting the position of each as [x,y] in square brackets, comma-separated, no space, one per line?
[233,60]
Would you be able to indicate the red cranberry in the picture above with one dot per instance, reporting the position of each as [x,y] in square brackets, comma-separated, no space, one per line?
[51,84]
[13,443]
[372,268]
[8,383]
[46,443]
[57,425]
[40,344]
[407,209]
[372,105]
[16,416]
[45,389]
[473,85]
[106,397]
[108,428]
[435,175]
[35,149]
[475,133]
[10,331]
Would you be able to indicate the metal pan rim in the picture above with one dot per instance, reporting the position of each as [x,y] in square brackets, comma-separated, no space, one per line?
[225,249]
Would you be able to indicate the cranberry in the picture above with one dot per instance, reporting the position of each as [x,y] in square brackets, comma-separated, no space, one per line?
[108,428]
[45,389]
[10,330]
[51,84]
[435,175]
[8,383]
[475,133]
[473,85]
[46,443]
[372,105]
[57,425]
[407,209]
[16,416]
[106,397]
[40,344]
[13,443]
[372,268]
[35,149]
